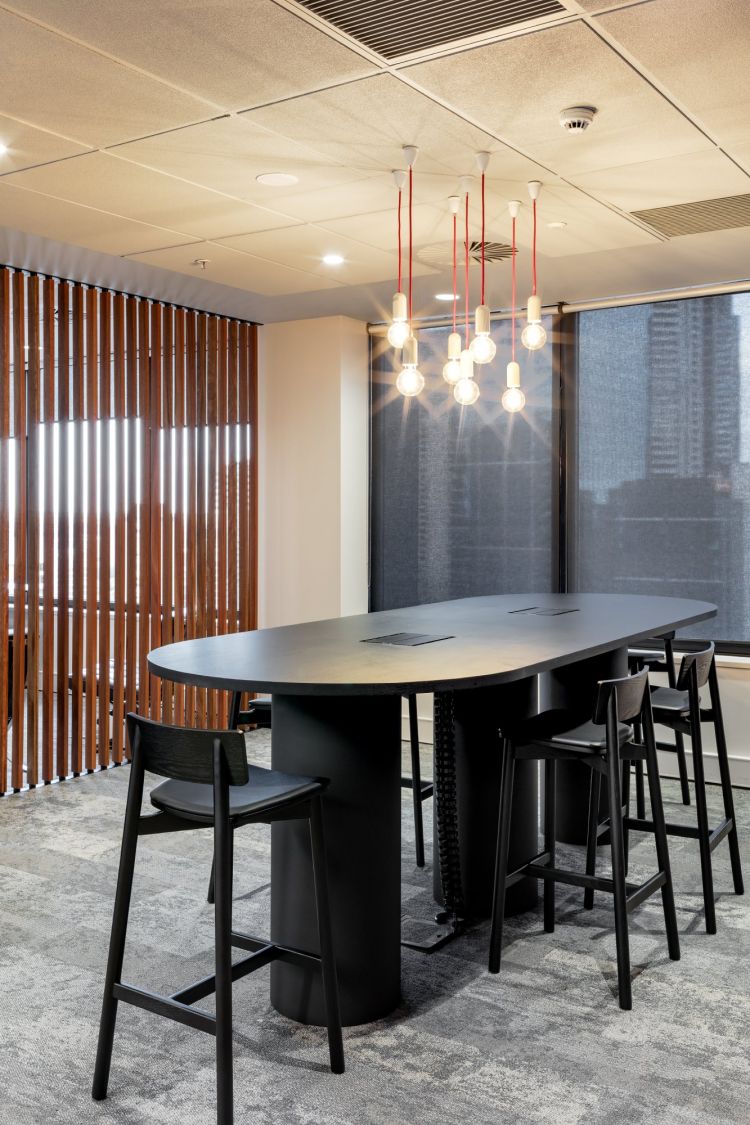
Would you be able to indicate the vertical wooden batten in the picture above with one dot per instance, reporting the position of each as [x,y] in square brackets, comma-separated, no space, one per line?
[126,514]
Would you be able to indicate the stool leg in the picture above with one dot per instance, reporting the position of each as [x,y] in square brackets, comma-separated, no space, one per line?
[704,830]
[626,806]
[501,859]
[679,741]
[223,939]
[595,789]
[416,778]
[119,927]
[618,861]
[640,792]
[550,832]
[726,782]
[211,894]
[660,838]
[327,959]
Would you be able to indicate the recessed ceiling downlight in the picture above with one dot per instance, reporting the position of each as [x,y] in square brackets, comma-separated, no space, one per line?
[557,224]
[446,296]
[3,148]
[332,259]
[277,179]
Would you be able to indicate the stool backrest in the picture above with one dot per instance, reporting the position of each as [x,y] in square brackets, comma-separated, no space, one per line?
[187,754]
[702,661]
[629,693]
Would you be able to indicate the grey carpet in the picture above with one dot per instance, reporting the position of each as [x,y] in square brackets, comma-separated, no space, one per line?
[543,1043]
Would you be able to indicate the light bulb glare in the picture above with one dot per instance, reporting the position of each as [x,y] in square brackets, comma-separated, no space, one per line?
[398,333]
[483,349]
[452,371]
[466,392]
[410,382]
[513,400]
[534,335]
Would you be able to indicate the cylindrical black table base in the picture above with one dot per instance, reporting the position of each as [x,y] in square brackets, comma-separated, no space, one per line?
[356,742]
[477,718]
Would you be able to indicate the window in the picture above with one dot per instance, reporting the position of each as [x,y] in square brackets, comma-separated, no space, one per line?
[664,454]
[461,498]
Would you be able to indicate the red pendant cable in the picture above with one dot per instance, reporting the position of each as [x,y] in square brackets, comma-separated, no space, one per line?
[533,253]
[482,240]
[399,240]
[454,272]
[513,294]
[411,222]
[466,279]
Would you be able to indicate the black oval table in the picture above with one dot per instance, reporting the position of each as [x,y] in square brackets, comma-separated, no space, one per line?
[337,688]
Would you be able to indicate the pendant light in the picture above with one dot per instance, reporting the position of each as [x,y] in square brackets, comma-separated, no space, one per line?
[534,335]
[452,369]
[399,330]
[466,391]
[482,346]
[410,380]
[513,398]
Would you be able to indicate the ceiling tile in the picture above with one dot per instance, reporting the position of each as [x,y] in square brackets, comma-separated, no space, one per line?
[226,154]
[28,146]
[304,247]
[81,226]
[517,88]
[364,125]
[238,53]
[663,183]
[61,86]
[431,224]
[111,184]
[231,267]
[699,52]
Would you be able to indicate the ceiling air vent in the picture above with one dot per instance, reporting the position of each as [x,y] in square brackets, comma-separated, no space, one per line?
[698,218]
[440,254]
[400,27]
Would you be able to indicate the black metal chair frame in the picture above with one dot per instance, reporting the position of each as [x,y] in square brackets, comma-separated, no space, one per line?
[218,758]
[616,701]
[696,670]
[660,662]
[259,713]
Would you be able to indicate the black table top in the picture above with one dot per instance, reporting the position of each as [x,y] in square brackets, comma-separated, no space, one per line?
[491,640]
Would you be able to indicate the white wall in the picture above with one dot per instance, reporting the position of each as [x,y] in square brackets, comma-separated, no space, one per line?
[313,407]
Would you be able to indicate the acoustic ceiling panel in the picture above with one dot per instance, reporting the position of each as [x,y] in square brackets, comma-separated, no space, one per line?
[663,183]
[81,226]
[64,87]
[393,28]
[516,89]
[110,184]
[27,146]
[698,52]
[235,53]
[699,218]
[227,266]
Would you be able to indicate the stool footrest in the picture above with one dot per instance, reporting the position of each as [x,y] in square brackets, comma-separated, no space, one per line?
[281,952]
[165,1006]
[691,831]
[425,790]
[636,893]
[240,969]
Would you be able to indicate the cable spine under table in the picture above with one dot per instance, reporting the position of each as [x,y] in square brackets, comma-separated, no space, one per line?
[446,806]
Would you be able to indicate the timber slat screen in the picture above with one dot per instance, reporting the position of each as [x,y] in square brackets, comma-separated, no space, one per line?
[127,514]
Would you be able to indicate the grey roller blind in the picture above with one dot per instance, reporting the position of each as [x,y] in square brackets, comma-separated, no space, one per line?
[461,499]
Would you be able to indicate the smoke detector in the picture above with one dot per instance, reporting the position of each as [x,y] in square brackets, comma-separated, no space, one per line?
[577,118]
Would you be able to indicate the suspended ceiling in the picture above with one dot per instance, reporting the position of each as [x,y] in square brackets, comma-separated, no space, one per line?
[137,130]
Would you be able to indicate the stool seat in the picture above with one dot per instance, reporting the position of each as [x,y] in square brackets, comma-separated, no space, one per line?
[556,729]
[669,699]
[265,791]
[647,657]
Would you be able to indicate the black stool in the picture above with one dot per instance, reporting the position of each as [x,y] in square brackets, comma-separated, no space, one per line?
[259,713]
[680,710]
[657,655]
[212,786]
[602,744]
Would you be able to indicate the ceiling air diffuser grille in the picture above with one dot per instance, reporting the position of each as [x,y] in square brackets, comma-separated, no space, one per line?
[698,218]
[440,254]
[399,27]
